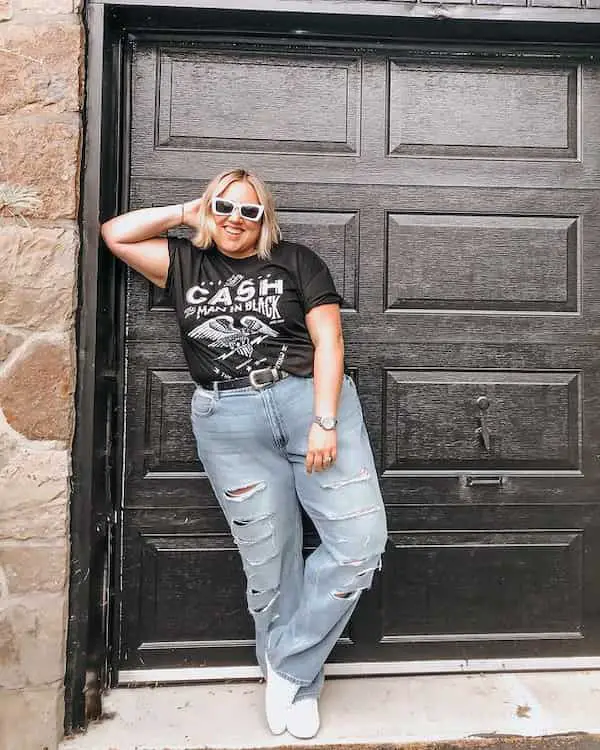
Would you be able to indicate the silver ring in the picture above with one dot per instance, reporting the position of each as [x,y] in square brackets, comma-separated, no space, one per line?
[328,459]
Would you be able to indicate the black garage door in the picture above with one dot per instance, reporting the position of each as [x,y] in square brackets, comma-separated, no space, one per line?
[455,198]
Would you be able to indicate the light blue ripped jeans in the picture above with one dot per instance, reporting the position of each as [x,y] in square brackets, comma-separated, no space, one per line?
[252,444]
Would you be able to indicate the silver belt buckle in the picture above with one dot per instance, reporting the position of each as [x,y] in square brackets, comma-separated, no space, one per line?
[258,386]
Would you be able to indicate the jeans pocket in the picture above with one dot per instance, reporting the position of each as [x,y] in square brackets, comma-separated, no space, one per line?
[203,403]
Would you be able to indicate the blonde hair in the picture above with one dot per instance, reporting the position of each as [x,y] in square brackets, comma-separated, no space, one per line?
[270,233]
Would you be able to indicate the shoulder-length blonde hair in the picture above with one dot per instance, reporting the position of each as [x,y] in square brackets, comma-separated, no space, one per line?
[270,233]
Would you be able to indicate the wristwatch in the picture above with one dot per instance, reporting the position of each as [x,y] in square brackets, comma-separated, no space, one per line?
[326,423]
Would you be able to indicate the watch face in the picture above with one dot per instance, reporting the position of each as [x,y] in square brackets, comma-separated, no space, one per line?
[327,423]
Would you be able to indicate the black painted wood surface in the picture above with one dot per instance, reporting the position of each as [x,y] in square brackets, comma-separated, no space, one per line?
[456,201]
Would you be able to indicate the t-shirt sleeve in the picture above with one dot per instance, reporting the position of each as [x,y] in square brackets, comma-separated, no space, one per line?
[176,245]
[316,285]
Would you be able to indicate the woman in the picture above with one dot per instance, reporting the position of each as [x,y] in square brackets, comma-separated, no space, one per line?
[277,423]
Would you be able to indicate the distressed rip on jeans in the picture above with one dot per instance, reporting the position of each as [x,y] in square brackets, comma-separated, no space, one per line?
[362,476]
[255,538]
[360,581]
[255,599]
[351,550]
[244,493]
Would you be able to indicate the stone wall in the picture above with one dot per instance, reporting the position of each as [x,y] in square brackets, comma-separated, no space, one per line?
[41,59]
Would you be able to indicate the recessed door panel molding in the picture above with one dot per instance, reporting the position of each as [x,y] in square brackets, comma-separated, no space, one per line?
[504,113]
[149,310]
[162,466]
[482,263]
[468,421]
[158,300]
[170,447]
[334,237]
[191,566]
[481,585]
[269,103]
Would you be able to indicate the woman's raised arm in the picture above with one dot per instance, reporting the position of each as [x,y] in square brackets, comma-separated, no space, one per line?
[133,237]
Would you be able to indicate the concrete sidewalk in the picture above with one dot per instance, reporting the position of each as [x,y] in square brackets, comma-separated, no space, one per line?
[438,710]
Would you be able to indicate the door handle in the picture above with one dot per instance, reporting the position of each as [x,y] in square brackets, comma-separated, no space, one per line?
[484,481]
[482,431]
[484,434]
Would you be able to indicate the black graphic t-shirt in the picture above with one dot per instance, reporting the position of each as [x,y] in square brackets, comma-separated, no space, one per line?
[242,314]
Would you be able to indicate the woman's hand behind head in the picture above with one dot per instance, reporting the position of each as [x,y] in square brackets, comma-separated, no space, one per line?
[191,210]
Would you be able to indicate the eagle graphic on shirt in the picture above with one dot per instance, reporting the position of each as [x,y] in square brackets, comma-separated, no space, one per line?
[221,331]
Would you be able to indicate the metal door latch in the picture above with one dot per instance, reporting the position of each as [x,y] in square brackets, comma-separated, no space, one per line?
[482,431]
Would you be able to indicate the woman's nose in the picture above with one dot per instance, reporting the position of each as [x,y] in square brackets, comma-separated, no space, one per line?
[235,215]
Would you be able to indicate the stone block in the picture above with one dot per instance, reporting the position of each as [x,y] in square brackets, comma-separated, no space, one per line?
[32,640]
[31,719]
[9,340]
[39,65]
[5,10]
[36,391]
[34,487]
[48,520]
[27,567]
[44,6]
[43,154]
[28,298]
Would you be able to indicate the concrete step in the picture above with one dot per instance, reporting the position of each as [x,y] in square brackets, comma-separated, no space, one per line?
[533,711]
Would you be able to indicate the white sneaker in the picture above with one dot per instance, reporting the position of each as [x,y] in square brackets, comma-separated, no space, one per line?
[279,696]
[303,719]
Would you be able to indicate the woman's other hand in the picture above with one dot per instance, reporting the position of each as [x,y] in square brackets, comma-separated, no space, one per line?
[322,449]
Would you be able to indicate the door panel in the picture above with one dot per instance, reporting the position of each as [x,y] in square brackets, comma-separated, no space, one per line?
[456,202]
[438,420]
[476,263]
[205,106]
[504,112]
[480,584]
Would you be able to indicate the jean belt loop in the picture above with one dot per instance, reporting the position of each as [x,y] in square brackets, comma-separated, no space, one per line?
[216,390]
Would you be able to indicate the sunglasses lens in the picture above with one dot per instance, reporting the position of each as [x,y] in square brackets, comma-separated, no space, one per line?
[250,211]
[222,206]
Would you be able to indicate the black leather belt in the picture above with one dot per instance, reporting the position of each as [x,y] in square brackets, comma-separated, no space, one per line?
[256,379]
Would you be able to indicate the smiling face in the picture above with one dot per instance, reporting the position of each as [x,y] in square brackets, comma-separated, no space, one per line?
[235,236]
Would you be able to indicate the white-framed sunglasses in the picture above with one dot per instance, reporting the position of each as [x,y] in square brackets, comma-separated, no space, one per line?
[225,207]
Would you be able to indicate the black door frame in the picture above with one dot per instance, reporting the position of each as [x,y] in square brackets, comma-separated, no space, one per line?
[97,445]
